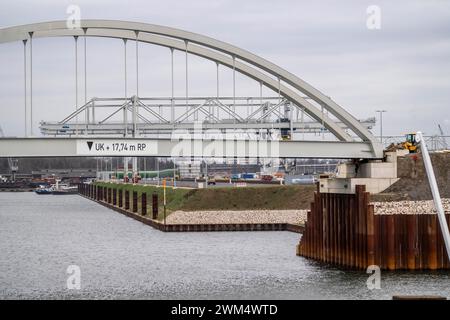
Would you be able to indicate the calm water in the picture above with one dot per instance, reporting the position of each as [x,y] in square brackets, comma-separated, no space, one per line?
[40,236]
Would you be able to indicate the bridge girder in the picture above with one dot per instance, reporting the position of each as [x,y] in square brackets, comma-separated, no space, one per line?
[182,148]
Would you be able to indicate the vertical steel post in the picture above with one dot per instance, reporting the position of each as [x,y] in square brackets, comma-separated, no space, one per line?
[261,95]
[93,111]
[291,121]
[144,203]
[217,84]
[31,83]
[85,81]
[157,168]
[187,78]
[101,168]
[76,83]
[155,209]
[125,111]
[164,202]
[86,113]
[206,174]
[302,121]
[435,191]
[134,115]
[234,86]
[172,110]
[135,105]
[279,95]
[85,65]
[174,176]
[137,63]
[25,84]
[127,200]
[261,101]
[135,201]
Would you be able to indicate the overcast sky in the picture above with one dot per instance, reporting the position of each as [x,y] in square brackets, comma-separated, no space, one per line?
[404,67]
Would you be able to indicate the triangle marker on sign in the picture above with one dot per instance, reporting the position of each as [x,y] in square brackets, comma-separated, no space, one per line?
[90,143]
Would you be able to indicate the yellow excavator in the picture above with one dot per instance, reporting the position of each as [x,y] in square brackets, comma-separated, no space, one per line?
[410,142]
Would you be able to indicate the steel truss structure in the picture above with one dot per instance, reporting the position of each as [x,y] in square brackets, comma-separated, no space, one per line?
[151,117]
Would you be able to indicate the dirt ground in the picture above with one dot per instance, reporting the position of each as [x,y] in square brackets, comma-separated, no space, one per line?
[413,183]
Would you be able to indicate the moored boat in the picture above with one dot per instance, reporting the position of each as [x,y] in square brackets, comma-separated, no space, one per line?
[44,190]
[63,190]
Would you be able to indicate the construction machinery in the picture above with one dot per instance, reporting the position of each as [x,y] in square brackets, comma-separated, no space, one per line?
[12,163]
[410,142]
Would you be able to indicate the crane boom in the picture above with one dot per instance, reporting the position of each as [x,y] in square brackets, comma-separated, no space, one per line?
[443,137]
[12,163]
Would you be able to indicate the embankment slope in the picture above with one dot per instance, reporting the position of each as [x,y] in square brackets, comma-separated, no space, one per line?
[413,183]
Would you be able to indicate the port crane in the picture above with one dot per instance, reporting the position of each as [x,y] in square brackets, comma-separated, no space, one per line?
[12,163]
[444,141]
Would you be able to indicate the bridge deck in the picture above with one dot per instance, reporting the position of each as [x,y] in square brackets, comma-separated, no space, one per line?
[139,147]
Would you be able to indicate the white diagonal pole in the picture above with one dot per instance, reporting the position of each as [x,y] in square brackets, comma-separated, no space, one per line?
[435,191]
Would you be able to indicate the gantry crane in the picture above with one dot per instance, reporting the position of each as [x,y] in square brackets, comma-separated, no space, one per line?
[12,163]
[444,141]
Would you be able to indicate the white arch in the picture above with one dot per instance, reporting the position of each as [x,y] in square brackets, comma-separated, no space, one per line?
[201,45]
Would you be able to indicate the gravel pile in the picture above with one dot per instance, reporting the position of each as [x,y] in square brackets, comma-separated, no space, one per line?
[244,216]
[409,207]
[293,216]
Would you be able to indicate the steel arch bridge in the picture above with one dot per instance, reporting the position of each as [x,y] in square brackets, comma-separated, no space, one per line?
[351,137]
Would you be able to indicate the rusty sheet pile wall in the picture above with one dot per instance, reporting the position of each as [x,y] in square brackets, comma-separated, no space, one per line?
[343,230]
[136,206]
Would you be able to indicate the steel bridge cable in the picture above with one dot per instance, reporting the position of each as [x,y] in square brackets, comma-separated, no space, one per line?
[85,82]
[25,84]
[76,82]
[217,83]
[125,119]
[172,111]
[187,78]
[31,83]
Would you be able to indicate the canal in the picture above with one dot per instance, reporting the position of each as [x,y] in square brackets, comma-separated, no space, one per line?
[120,258]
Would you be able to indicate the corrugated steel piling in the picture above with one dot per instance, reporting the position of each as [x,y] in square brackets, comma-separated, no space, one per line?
[343,230]
[144,203]
[155,206]
[120,198]
[127,200]
[135,201]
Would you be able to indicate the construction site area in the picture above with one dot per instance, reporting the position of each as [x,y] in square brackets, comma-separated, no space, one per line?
[212,166]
